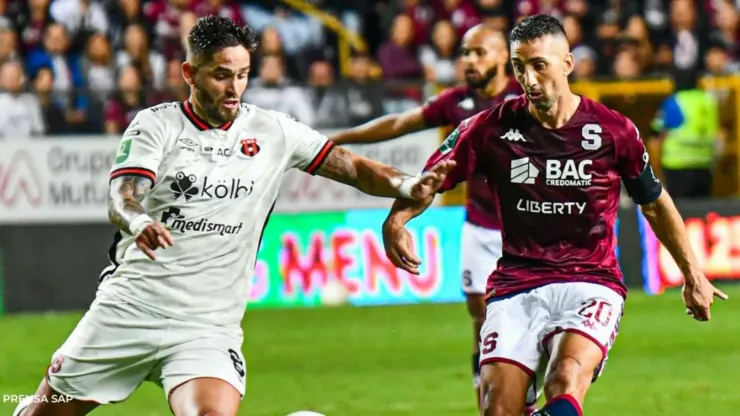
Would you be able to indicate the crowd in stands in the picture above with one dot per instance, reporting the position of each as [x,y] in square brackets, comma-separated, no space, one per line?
[88,66]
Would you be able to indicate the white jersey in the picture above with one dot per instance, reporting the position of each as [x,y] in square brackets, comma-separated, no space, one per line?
[214,189]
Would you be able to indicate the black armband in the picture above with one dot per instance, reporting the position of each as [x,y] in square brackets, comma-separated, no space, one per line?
[645,188]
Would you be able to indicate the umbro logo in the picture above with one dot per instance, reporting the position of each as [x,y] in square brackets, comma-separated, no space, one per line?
[513,135]
[523,172]
[184,185]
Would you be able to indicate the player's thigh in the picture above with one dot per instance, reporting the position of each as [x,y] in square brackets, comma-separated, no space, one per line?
[505,390]
[108,354]
[588,325]
[510,336]
[203,370]
[480,250]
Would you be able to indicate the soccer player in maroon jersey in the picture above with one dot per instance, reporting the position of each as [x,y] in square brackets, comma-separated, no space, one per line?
[484,56]
[555,160]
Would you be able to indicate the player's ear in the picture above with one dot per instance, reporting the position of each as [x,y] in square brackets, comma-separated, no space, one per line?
[188,72]
[569,64]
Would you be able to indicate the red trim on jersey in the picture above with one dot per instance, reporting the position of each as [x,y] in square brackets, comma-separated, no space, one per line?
[319,159]
[199,123]
[134,172]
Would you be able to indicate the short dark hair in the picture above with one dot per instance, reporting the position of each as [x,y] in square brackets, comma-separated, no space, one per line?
[535,27]
[213,33]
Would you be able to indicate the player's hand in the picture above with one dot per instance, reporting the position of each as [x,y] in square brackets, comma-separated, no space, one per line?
[431,180]
[399,248]
[155,235]
[699,297]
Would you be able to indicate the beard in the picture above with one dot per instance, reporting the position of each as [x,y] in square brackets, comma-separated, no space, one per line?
[211,106]
[481,80]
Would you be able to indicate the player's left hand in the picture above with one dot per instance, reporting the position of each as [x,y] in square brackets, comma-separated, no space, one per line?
[699,297]
[431,180]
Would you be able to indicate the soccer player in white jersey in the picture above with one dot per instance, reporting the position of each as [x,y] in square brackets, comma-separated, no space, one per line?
[191,190]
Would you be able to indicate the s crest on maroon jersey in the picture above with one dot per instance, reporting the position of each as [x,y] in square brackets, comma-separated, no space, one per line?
[558,189]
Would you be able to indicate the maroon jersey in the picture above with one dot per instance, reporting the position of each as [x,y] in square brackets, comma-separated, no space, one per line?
[450,108]
[558,190]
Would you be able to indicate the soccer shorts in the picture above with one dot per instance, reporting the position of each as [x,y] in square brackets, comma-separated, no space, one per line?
[116,346]
[480,250]
[519,329]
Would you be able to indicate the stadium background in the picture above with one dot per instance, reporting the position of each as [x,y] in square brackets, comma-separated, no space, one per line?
[75,72]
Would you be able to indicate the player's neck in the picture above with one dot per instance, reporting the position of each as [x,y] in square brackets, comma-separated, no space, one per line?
[559,114]
[495,87]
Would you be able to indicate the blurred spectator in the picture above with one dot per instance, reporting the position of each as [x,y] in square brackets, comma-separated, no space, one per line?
[585,63]
[52,112]
[626,65]
[524,8]
[30,23]
[607,39]
[136,52]
[273,91]
[8,42]
[364,96]
[397,57]
[130,98]
[573,31]
[165,16]
[438,58]
[69,79]
[717,60]
[727,31]
[330,103]
[21,115]
[271,44]
[296,31]
[636,31]
[81,18]
[685,35]
[461,13]
[124,13]
[176,89]
[421,15]
[98,68]
[223,8]
[687,129]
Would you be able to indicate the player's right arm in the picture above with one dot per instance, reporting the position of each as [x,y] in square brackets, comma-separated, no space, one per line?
[391,126]
[463,147]
[132,176]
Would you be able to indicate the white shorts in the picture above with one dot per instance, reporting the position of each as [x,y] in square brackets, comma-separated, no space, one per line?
[480,250]
[519,329]
[116,346]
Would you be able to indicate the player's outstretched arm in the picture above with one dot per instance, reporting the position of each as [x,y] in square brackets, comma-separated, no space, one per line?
[384,128]
[126,212]
[666,222]
[377,179]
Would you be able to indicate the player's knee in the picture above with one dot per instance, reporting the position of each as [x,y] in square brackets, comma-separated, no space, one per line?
[568,376]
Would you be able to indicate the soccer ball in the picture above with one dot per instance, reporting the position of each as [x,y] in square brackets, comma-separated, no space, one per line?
[305,413]
[334,293]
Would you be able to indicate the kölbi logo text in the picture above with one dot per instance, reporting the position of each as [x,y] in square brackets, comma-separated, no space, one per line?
[568,173]
[185,185]
[175,220]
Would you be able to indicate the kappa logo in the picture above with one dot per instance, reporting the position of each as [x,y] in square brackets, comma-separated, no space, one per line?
[184,185]
[513,135]
[250,147]
[19,180]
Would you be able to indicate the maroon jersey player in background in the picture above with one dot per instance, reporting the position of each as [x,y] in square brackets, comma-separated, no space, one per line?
[555,160]
[484,57]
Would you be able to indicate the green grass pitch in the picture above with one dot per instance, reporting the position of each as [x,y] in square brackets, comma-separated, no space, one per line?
[414,360]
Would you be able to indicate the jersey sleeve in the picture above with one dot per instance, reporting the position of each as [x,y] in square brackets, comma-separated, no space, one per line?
[434,111]
[307,147]
[141,148]
[461,146]
[633,164]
